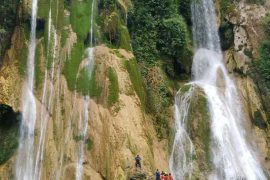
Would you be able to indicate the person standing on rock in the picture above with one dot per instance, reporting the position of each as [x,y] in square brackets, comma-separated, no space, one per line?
[138,162]
[170,176]
[157,175]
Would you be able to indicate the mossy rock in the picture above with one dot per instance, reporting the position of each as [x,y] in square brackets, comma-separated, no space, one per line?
[113,94]
[9,132]
[198,127]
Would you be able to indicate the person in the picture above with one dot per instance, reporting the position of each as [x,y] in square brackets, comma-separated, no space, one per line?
[170,176]
[162,175]
[138,161]
[166,177]
[157,175]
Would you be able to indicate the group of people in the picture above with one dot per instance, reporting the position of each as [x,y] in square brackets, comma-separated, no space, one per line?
[159,176]
[163,175]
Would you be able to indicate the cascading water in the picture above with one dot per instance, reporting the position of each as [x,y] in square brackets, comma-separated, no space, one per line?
[84,114]
[25,159]
[232,157]
[46,101]
[183,151]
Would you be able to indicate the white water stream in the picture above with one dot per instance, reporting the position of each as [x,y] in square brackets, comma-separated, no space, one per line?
[84,110]
[25,160]
[232,157]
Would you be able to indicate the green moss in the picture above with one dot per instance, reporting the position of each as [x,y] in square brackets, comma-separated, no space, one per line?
[39,72]
[200,135]
[136,80]
[9,132]
[80,17]
[226,7]
[113,95]
[258,120]
[124,39]
[72,64]
[87,85]
[89,144]
[248,53]
[23,51]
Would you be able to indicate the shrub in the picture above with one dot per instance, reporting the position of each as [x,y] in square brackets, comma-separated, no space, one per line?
[9,132]
[265,60]
[265,23]
[226,35]
[258,120]
[173,37]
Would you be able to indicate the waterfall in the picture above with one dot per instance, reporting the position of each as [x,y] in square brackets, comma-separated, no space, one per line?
[84,113]
[46,102]
[25,162]
[182,151]
[232,156]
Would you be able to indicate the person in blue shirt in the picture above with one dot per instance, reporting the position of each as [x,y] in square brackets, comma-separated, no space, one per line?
[157,175]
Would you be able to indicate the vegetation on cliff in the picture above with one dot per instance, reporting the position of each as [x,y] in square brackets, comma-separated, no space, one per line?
[9,132]
[8,14]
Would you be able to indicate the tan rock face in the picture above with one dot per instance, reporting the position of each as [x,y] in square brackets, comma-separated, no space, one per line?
[121,132]
[118,133]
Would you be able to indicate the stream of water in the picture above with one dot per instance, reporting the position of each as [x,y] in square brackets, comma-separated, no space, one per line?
[232,157]
[25,160]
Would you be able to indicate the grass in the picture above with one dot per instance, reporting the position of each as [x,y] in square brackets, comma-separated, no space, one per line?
[113,95]
[136,80]
[71,65]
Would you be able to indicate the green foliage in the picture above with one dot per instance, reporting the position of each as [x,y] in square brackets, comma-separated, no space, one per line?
[265,60]
[9,132]
[226,7]
[185,10]
[8,14]
[124,39]
[24,52]
[265,23]
[113,95]
[72,64]
[136,80]
[226,35]
[258,120]
[248,53]
[86,83]
[80,17]
[173,36]
[159,31]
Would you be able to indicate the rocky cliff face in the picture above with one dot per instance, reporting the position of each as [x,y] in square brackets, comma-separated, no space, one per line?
[246,19]
[118,126]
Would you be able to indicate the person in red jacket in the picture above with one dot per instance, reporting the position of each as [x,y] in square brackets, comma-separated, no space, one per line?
[162,175]
[166,177]
[170,176]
